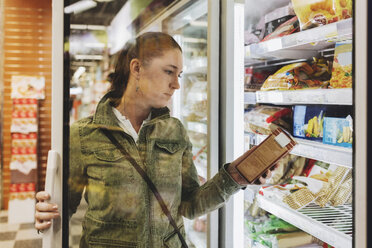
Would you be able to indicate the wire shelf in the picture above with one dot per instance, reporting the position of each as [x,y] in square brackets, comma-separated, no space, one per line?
[333,225]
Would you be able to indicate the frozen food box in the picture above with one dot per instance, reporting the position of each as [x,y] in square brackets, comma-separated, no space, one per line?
[342,75]
[258,160]
[308,122]
[338,131]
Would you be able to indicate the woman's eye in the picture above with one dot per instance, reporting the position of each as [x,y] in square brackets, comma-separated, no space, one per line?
[180,76]
[169,72]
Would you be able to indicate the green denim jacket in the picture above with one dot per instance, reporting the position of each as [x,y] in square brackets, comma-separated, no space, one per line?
[122,210]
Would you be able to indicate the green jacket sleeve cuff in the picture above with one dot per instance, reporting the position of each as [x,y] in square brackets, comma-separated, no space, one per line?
[226,183]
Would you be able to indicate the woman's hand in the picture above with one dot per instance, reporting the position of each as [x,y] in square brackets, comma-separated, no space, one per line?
[45,211]
[241,180]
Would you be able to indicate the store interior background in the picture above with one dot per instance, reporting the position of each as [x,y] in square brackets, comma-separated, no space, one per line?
[91,46]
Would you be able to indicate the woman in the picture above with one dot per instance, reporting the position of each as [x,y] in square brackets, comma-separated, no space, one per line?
[122,211]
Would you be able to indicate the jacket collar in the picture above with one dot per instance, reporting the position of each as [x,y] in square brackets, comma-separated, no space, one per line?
[104,116]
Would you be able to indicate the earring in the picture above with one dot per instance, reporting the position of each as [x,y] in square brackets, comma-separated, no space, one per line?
[137,87]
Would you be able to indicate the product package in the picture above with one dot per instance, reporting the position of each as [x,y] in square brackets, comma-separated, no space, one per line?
[289,27]
[255,77]
[264,156]
[259,119]
[21,203]
[338,131]
[321,12]
[308,122]
[277,17]
[275,232]
[23,164]
[300,75]
[342,75]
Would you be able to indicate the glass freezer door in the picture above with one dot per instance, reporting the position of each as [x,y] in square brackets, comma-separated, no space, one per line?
[189,25]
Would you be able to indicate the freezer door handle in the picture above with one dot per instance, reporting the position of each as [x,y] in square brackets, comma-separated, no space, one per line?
[52,178]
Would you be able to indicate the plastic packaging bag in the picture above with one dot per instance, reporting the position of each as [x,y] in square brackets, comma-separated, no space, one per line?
[313,13]
[301,75]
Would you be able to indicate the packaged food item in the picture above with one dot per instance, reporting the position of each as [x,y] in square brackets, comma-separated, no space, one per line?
[331,187]
[300,75]
[319,170]
[308,122]
[261,118]
[277,17]
[342,75]
[321,12]
[286,28]
[286,240]
[338,131]
[344,192]
[255,77]
[255,32]
[258,160]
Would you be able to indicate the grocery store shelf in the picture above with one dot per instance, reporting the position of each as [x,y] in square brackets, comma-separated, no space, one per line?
[305,44]
[312,96]
[333,225]
[331,154]
[327,153]
[250,98]
[197,127]
[198,239]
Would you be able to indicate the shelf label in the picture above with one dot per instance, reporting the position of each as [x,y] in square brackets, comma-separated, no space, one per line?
[275,96]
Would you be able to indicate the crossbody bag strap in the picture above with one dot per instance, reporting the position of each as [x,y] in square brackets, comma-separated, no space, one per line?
[149,183]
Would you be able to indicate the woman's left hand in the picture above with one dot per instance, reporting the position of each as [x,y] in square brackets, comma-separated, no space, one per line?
[242,181]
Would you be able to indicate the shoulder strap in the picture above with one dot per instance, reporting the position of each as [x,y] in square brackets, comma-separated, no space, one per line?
[149,183]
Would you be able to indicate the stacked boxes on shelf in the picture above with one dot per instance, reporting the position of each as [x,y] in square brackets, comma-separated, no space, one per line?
[24,131]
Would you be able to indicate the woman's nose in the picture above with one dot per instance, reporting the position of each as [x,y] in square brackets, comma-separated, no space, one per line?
[175,84]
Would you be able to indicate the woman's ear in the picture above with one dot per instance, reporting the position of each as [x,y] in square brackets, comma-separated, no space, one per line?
[135,66]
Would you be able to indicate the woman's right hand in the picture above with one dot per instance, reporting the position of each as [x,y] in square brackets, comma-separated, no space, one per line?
[45,211]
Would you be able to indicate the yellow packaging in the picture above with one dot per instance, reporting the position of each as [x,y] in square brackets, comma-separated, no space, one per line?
[313,13]
[300,75]
[342,75]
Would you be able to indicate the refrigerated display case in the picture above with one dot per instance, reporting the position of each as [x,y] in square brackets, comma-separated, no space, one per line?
[296,47]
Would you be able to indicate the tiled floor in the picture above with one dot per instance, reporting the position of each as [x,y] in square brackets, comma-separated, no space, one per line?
[17,235]
[25,235]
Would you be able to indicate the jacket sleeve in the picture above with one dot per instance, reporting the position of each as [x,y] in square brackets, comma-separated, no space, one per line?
[198,200]
[77,176]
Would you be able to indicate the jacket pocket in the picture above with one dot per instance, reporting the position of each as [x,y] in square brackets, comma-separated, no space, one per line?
[172,240]
[170,147]
[110,243]
[167,159]
[101,233]
[109,155]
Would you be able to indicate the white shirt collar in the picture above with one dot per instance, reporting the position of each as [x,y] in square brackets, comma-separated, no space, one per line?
[127,126]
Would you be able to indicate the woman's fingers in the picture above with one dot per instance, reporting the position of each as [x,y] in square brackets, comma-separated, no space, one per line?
[42,225]
[46,207]
[46,216]
[42,196]
[262,180]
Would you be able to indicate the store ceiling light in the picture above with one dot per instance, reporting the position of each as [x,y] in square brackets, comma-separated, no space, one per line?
[87,27]
[80,6]
[88,57]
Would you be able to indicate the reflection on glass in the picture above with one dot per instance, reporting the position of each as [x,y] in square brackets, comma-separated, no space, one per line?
[189,28]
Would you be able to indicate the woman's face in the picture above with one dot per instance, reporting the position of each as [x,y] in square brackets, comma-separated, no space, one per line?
[159,78]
